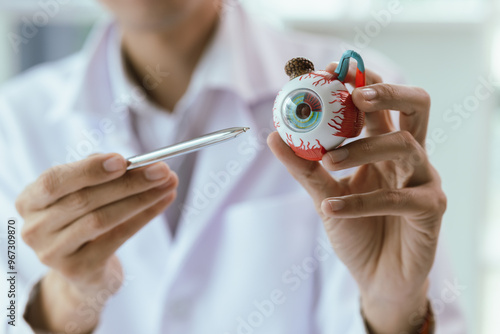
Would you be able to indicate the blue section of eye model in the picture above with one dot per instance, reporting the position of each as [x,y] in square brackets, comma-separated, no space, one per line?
[302,110]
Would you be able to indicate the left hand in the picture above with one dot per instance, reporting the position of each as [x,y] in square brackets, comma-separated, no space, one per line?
[384,220]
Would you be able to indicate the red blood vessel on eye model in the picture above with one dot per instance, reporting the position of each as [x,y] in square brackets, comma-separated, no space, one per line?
[314,112]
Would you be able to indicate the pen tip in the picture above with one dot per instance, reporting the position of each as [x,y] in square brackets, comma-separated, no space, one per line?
[246,129]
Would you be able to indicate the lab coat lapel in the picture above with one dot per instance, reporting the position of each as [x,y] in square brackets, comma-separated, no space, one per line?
[217,174]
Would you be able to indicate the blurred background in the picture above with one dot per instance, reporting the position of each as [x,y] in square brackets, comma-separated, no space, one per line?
[449,47]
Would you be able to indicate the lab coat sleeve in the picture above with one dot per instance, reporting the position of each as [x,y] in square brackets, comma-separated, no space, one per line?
[338,308]
[26,293]
[27,273]
[25,279]
[444,295]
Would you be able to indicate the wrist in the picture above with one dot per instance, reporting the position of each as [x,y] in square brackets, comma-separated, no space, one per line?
[394,314]
[61,307]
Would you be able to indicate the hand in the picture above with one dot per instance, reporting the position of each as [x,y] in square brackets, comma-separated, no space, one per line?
[384,220]
[76,216]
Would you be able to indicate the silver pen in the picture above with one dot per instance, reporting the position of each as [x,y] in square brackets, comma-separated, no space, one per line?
[184,147]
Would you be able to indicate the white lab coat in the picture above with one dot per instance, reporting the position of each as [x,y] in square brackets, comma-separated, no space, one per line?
[250,255]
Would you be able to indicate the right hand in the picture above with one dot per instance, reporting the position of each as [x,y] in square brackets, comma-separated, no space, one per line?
[75,217]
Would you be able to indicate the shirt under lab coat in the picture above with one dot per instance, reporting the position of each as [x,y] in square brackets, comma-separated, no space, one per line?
[249,254]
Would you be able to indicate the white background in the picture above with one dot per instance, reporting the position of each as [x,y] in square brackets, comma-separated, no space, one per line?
[444,46]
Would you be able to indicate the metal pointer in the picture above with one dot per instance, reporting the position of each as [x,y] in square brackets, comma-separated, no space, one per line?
[184,147]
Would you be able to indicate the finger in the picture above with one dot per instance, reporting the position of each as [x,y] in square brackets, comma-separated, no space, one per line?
[400,147]
[102,220]
[310,174]
[67,242]
[40,228]
[412,102]
[106,245]
[371,77]
[383,202]
[83,201]
[378,122]
[61,180]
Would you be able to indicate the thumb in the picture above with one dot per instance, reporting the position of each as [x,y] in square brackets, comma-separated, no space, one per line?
[315,179]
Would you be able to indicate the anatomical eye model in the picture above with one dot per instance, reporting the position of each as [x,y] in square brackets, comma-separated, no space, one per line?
[314,112]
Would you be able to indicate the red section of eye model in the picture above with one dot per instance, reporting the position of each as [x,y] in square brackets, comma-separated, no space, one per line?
[323,77]
[276,123]
[348,120]
[306,151]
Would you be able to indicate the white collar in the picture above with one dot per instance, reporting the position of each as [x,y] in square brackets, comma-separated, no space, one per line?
[235,61]
[125,92]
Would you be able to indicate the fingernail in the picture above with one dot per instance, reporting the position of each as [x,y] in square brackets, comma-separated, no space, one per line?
[113,164]
[336,204]
[369,93]
[155,172]
[339,154]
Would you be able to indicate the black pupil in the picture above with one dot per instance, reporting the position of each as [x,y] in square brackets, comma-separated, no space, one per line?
[303,111]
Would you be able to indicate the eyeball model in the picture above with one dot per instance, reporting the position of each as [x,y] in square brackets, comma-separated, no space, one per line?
[314,112]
